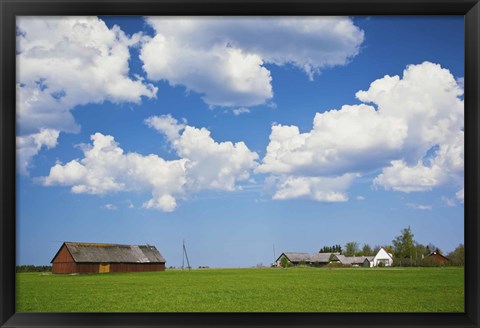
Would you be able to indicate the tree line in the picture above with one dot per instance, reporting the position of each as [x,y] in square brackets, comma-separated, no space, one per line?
[33,268]
[405,250]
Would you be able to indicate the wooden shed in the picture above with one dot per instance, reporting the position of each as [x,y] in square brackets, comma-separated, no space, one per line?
[435,256]
[101,258]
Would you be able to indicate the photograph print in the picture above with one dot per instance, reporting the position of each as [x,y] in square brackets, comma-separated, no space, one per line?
[240,164]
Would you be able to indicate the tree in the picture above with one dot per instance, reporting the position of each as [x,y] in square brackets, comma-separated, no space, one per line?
[432,248]
[457,257]
[404,245]
[331,249]
[367,250]
[351,248]
[284,262]
[326,249]
[338,249]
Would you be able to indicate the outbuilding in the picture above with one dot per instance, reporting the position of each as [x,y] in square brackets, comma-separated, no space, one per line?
[73,257]
[294,258]
[436,256]
[382,258]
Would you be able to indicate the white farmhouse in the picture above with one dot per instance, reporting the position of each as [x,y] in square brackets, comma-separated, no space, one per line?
[382,257]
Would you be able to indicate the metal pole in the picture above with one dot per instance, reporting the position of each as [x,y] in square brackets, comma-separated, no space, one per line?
[183,254]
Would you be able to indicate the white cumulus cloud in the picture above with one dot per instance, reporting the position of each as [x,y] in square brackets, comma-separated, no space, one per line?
[412,131]
[110,207]
[203,164]
[209,164]
[322,189]
[224,58]
[63,62]
[460,195]
[241,110]
[29,145]
[420,207]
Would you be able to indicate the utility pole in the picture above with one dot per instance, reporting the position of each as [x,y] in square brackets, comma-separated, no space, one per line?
[185,256]
[274,257]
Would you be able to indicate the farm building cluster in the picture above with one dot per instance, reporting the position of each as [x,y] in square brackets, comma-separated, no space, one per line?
[382,258]
[102,258]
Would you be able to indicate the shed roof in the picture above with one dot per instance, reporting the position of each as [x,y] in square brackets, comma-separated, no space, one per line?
[296,257]
[113,253]
[353,259]
[322,257]
[438,256]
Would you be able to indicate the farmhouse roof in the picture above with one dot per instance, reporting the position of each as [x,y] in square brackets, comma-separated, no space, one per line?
[321,257]
[353,259]
[113,253]
[438,256]
[296,257]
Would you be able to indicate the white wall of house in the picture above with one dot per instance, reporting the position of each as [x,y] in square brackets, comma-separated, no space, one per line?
[382,256]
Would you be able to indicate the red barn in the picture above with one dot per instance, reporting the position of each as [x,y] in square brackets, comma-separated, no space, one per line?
[101,258]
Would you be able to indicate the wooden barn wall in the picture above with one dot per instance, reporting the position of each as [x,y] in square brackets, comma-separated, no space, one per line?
[63,256]
[136,267]
[87,267]
[63,262]
[66,267]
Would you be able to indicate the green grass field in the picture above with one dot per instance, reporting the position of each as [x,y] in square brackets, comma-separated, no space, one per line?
[247,290]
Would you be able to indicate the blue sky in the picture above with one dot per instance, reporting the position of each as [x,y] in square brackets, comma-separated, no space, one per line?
[238,134]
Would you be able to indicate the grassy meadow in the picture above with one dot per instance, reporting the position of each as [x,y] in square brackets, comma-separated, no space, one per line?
[247,290]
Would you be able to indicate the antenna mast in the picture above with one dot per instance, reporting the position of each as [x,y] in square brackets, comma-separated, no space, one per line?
[185,256]
[274,257]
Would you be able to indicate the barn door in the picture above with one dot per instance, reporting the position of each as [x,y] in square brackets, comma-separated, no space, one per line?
[104,267]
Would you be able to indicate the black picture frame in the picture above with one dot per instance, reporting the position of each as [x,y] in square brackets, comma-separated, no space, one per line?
[11,8]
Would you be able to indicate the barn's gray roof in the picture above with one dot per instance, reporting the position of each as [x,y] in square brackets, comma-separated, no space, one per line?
[296,257]
[114,253]
[353,259]
[321,257]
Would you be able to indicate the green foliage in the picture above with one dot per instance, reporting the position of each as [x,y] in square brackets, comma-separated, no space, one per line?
[247,290]
[421,250]
[33,268]
[284,262]
[432,248]
[367,250]
[404,245]
[331,249]
[457,257]
[351,248]
[303,263]
[337,265]
[432,262]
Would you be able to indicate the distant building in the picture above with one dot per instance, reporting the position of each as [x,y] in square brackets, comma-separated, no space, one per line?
[294,258]
[365,261]
[101,258]
[382,258]
[437,257]
[321,259]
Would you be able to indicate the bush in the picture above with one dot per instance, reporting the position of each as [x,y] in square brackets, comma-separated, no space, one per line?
[432,262]
[333,265]
[284,262]
[33,268]
[426,262]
